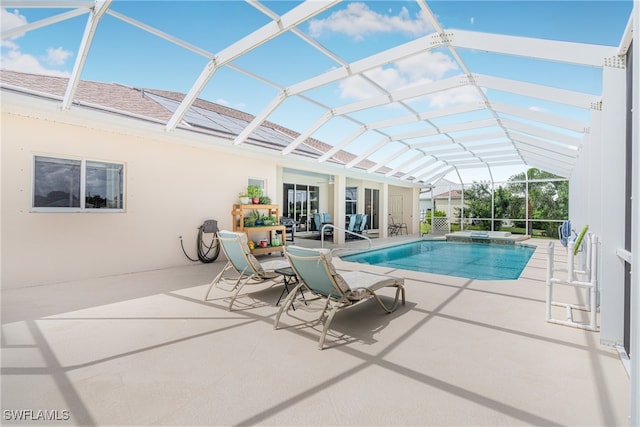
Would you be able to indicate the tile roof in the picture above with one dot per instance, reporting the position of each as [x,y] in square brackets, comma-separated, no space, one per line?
[453,193]
[132,101]
[110,95]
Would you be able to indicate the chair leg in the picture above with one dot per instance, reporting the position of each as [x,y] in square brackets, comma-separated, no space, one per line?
[287,302]
[399,291]
[327,323]
[241,283]
[324,310]
[216,280]
[238,288]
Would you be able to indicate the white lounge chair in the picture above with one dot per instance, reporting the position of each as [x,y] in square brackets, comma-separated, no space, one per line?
[316,273]
[247,268]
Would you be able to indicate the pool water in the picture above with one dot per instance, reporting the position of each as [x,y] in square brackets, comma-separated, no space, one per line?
[482,261]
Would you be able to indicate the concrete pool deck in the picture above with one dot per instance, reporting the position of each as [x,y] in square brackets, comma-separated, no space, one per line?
[145,349]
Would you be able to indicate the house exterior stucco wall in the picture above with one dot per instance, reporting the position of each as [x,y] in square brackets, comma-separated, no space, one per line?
[170,189]
[408,210]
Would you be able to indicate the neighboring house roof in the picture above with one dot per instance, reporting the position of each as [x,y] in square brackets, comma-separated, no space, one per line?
[159,105]
[442,190]
[455,194]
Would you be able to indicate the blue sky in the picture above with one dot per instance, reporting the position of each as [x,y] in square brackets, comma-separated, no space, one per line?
[352,30]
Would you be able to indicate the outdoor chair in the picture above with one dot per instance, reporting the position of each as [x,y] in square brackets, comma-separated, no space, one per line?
[302,223]
[353,223]
[397,227]
[317,221]
[358,227]
[321,219]
[363,224]
[317,274]
[248,270]
[392,228]
[290,225]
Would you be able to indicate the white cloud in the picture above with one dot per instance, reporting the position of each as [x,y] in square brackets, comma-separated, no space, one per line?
[427,64]
[8,44]
[356,88]
[12,58]
[418,69]
[11,20]
[390,78]
[459,95]
[58,56]
[357,20]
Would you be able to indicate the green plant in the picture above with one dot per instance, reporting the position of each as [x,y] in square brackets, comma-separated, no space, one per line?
[254,190]
[427,217]
[251,219]
[265,200]
[425,228]
[269,220]
[255,215]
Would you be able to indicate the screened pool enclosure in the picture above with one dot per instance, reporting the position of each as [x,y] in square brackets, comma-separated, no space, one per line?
[170,108]
[523,205]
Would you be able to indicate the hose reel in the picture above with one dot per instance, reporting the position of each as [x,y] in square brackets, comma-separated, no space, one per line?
[207,252]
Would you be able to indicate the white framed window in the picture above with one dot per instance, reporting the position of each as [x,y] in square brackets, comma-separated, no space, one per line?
[76,185]
[351,202]
[262,183]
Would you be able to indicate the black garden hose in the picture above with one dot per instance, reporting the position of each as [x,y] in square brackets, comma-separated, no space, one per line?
[207,253]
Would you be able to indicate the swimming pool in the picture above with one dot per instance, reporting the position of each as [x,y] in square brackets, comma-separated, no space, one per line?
[472,260]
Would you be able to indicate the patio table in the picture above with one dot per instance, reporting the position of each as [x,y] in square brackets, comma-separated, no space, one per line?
[290,279]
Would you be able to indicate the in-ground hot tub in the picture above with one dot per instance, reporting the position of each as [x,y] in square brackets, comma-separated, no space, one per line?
[476,236]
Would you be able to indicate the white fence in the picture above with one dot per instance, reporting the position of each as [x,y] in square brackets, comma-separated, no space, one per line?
[440,225]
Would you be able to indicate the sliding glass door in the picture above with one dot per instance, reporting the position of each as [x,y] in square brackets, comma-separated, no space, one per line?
[300,203]
[371,205]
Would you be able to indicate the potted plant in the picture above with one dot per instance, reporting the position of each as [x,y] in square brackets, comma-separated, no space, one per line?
[253,219]
[244,198]
[258,217]
[269,220]
[265,200]
[254,192]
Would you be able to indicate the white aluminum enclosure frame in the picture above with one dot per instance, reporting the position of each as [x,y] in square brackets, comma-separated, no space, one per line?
[421,156]
[452,40]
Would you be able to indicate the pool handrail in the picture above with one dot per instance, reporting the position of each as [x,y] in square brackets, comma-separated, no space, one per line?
[322,230]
